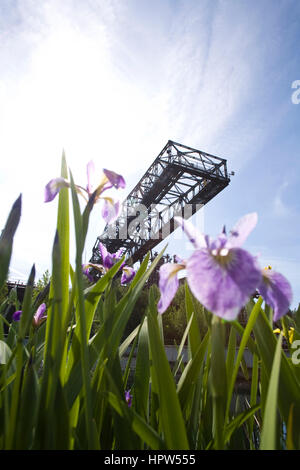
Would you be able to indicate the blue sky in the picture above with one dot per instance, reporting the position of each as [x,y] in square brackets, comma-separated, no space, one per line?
[113,80]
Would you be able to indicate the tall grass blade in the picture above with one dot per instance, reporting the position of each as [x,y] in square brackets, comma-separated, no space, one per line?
[218,380]
[170,411]
[288,387]
[268,435]
[191,372]
[245,338]
[146,433]
[253,394]
[91,438]
[6,238]
[142,373]
[63,229]
[194,333]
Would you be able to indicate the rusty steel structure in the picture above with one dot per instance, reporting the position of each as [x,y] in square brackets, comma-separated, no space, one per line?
[179,182]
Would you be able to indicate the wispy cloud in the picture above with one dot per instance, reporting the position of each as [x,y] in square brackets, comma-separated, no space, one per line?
[286,204]
[280,208]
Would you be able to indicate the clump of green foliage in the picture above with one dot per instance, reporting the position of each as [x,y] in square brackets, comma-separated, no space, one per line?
[65,386]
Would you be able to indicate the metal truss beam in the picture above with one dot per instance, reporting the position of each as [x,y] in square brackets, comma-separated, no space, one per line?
[179,182]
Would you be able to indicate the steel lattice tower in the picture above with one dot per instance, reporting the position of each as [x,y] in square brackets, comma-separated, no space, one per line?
[179,182]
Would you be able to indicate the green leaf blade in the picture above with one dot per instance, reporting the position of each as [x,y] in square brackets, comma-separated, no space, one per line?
[268,436]
[6,239]
[170,411]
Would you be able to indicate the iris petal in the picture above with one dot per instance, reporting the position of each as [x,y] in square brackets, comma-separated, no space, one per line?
[90,169]
[127,275]
[168,284]
[17,315]
[53,188]
[39,315]
[115,179]
[103,250]
[242,229]
[110,210]
[276,291]
[128,398]
[108,259]
[86,272]
[196,238]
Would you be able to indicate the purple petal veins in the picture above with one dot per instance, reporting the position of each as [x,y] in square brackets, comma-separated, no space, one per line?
[276,292]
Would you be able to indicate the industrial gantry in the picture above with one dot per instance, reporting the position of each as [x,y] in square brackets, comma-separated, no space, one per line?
[179,182]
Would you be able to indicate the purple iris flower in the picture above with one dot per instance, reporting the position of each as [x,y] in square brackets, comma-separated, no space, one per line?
[86,272]
[110,179]
[38,317]
[127,275]
[128,398]
[17,315]
[276,292]
[109,259]
[114,179]
[220,274]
